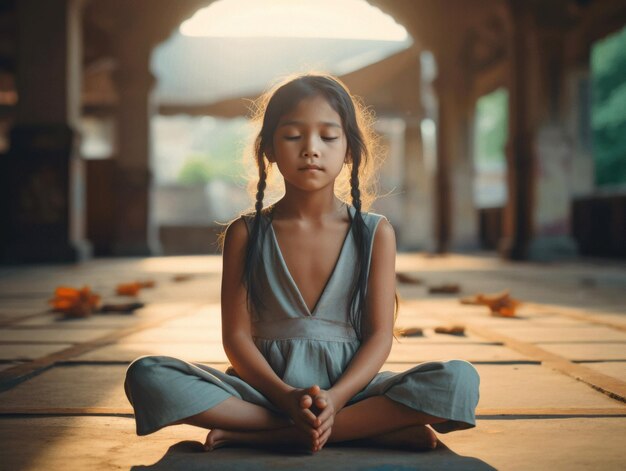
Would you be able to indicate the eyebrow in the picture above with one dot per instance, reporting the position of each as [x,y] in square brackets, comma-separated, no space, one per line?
[325,123]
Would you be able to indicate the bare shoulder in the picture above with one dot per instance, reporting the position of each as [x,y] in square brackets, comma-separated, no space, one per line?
[385,235]
[236,235]
[235,241]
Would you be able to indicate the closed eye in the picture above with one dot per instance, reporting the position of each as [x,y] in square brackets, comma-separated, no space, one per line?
[329,138]
[292,138]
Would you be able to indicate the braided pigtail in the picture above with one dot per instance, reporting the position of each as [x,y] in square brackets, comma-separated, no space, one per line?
[254,254]
[359,230]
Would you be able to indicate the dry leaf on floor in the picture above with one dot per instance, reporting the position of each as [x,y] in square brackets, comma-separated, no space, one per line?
[410,332]
[128,289]
[408,279]
[124,308]
[452,330]
[500,304]
[74,302]
[444,289]
[179,278]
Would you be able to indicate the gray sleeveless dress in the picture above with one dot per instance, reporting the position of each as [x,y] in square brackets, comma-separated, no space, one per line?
[303,348]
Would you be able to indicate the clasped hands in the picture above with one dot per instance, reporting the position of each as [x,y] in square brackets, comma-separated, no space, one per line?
[313,412]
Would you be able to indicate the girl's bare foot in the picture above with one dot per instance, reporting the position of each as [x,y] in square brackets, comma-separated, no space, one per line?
[216,439]
[415,437]
[291,435]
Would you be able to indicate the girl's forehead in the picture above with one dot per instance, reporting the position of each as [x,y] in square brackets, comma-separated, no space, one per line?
[311,110]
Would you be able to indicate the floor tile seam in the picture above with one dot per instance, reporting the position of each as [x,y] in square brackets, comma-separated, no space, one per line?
[480,412]
[577,342]
[39,342]
[46,312]
[18,319]
[543,309]
[70,362]
[608,385]
[599,361]
[577,314]
[11,377]
[65,328]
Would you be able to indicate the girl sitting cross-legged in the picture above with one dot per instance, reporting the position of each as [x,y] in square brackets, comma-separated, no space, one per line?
[308,305]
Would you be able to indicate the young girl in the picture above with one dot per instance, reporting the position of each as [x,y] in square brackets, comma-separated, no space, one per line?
[308,306]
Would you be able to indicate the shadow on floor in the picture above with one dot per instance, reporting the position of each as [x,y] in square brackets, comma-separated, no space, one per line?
[188,455]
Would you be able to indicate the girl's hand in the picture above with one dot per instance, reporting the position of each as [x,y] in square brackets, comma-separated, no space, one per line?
[293,403]
[322,405]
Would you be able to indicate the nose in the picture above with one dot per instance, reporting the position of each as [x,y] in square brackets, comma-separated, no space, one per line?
[310,148]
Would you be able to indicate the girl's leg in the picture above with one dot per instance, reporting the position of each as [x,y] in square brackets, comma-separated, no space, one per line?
[236,414]
[378,419]
[376,416]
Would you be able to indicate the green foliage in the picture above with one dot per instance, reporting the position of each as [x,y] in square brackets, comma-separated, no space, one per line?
[608,65]
[216,154]
[491,127]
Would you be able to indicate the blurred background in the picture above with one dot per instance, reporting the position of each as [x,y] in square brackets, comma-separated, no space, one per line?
[125,126]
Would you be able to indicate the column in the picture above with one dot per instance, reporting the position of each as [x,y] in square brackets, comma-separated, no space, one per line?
[135,233]
[44,182]
[539,153]
[456,216]
[417,233]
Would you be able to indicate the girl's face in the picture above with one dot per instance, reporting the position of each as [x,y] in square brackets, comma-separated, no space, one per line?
[311,135]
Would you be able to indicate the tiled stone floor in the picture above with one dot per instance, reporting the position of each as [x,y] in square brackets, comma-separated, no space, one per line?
[553,380]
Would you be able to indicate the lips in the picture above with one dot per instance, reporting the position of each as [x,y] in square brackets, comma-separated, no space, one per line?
[311,167]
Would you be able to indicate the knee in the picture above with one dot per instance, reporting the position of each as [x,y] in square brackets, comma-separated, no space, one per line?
[140,370]
[464,374]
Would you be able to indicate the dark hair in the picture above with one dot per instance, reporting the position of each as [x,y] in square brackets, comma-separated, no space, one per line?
[356,121]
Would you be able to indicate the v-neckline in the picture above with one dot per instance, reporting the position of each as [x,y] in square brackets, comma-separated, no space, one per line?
[308,311]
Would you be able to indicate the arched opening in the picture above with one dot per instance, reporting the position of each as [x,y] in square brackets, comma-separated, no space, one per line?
[230,52]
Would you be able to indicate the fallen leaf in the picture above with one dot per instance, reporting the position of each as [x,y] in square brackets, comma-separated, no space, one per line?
[500,304]
[408,279]
[125,308]
[74,302]
[444,289]
[410,332]
[179,278]
[128,289]
[452,330]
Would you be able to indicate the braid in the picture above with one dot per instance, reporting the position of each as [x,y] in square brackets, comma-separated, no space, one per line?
[258,206]
[355,192]
[253,253]
[357,303]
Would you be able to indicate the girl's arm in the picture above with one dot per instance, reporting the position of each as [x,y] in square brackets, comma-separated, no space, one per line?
[378,324]
[240,349]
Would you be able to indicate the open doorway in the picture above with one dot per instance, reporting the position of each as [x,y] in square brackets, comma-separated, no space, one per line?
[490,169]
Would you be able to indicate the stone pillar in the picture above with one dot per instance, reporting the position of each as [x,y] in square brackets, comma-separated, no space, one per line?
[135,232]
[456,216]
[443,202]
[536,218]
[43,175]
[418,176]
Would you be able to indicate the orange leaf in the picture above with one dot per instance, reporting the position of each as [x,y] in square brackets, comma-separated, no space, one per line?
[128,289]
[74,302]
[500,304]
[147,283]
